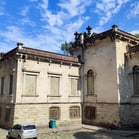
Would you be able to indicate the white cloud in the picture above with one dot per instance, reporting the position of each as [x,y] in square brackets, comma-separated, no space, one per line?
[68,10]
[106,9]
[63,23]
[2,9]
[27,21]
[25,11]
[75,7]
[134,10]
[14,34]
[57,28]
[135,31]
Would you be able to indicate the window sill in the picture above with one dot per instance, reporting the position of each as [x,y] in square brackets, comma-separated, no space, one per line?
[75,96]
[53,96]
[10,95]
[91,95]
[29,95]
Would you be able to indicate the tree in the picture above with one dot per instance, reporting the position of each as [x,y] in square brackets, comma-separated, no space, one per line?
[137,35]
[65,47]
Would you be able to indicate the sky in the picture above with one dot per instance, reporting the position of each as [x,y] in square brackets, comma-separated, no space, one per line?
[46,24]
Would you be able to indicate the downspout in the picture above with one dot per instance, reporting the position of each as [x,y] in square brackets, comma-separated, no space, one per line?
[82,72]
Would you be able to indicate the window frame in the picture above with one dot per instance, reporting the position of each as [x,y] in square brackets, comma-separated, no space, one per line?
[0,112]
[90,75]
[90,112]
[8,114]
[54,110]
[136,80]
[11,84]
[50,76]
[2,85]
[74,112]
[31,73]
[72,77]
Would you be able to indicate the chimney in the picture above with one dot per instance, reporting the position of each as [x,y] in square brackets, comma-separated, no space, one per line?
[20,45]
[114,27]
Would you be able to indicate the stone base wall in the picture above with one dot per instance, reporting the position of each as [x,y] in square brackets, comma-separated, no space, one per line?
[105,114]
[39,114]
[6,120]
[129,114]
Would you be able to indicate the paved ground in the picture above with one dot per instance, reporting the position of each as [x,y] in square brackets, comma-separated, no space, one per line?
[3,133]
[80,132]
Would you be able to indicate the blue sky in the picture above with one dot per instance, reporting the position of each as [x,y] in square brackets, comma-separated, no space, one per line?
[46,24]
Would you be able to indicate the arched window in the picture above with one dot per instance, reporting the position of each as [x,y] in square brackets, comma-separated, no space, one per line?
[90,82]
[136,80]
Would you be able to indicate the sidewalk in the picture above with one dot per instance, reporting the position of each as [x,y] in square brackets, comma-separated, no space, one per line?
[3,133]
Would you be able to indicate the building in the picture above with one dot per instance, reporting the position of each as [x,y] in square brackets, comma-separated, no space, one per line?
[97,85]
[110,77]
[36,86]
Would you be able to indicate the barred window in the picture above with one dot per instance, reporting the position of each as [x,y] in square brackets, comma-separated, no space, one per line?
[54,113]
[90,82]
[90,112]
[7,114]
[74,112]
[136,80]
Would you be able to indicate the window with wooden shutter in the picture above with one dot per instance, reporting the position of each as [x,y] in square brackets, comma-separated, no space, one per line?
[54,113]
[74,112]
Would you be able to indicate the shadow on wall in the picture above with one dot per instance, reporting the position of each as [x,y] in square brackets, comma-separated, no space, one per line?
[129,109]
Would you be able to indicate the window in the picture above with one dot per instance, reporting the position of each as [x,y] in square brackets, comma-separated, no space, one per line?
[90,82]
[0,112]
[11,84]
[74,86]
[74,112]
[30,84]
[54,113]
[2,85]
[90,112]
[54,85]
[136,80]
[7,114]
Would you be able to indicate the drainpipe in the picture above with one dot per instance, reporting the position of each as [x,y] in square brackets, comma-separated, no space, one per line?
[82,70]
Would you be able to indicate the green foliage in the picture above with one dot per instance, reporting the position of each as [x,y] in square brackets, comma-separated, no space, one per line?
[137,35]
[65,47]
